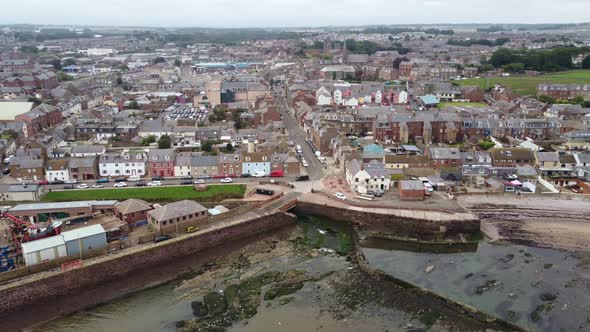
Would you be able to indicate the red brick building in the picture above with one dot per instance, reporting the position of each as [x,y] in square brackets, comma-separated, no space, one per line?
[132,210]
[161,162]
[411,190]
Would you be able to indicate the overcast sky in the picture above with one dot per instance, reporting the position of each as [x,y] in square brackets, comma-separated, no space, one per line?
[289,13]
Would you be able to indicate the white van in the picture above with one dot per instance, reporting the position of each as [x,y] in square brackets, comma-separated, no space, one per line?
[259,174]
[298,148]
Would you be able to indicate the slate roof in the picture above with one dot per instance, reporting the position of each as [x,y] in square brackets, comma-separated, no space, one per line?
[176,210]
[132,205]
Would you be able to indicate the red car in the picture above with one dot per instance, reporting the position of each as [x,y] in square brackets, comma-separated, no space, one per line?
[276,174]
[43,183]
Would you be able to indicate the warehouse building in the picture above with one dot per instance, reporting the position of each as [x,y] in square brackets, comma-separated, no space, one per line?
[77,243]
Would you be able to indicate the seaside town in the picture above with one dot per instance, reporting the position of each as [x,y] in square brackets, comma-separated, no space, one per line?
[124,147]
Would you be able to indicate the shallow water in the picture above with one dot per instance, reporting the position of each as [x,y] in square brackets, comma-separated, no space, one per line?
[520,274]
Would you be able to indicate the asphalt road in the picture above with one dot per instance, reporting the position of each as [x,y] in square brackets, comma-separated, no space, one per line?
[166,182]
[298,136]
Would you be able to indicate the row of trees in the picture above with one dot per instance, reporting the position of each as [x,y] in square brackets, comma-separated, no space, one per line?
[163,143]
[484,42]
[396,30]
[556,59]
[369,47]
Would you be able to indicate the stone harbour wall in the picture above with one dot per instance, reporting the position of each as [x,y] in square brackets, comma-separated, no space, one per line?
[400,226]
[53,294]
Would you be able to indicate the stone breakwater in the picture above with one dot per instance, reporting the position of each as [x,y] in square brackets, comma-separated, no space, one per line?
[54,293]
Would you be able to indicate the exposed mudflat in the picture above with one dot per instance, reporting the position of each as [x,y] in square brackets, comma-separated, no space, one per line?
[563,224]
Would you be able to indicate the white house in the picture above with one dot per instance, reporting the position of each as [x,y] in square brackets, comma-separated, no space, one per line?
[378,97]
[351,102]
[256,162]
[57,170]
[323,96]
[337,97]
[126,163]
[402,98]
[369,177]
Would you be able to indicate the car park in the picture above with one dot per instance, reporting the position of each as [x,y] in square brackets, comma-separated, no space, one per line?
[120,184]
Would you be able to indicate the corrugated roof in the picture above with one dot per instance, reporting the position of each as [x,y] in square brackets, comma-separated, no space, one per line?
[83,232]
[60,205]
[46,243]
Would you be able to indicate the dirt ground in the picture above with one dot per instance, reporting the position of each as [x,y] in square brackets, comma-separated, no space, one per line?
[562,224]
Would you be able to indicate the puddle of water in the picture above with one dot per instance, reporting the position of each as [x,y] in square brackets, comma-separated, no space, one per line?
[516,275]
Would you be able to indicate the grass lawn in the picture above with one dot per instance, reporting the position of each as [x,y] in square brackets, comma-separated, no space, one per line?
[447,104]
[154,194]
[527,85]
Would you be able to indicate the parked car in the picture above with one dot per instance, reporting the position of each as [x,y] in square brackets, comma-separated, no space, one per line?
[82,186]
[6,171]
[188,177]
[71,181]
[161,238]
[428,187]
[103,180]
[157,178]
[121,180]
[141,184]
[227,180]
[340,196]
[199,181]
[57,182]
[185,182]
[203,177]
[305,164]
[192,229]
[120,184]
[155,184]
[378,193]
[134,178]
[68,187]
[246,175]
[98,185]
[302,178]
[43,183]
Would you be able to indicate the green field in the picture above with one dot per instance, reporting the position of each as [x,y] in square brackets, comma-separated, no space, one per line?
[527,85]
[157,194]
[447,104]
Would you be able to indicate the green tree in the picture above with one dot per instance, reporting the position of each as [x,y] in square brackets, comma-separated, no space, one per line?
[586,62]
[133,105]
[63,77]
[546,99]
[69,62]
[159,60]
[177,63]
[207,146]
[56,63]
[229,148]
[10,133]
[119,81]
[148,140]
[486,144]
[164,142]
